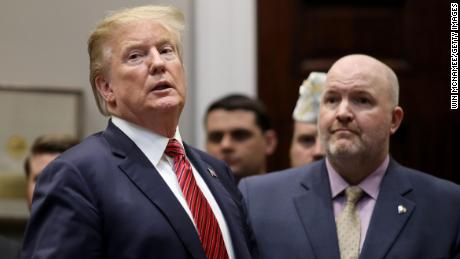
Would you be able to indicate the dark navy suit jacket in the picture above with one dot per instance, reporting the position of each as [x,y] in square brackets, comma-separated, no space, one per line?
[104,199]
[292,216]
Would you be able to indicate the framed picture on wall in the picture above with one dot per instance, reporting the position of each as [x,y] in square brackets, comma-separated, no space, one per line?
[25,114]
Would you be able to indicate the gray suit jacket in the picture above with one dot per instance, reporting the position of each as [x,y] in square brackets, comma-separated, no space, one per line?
[292,216]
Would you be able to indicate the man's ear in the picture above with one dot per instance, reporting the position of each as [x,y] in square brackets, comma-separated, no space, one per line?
[272,141]
[104,88]
[396,119]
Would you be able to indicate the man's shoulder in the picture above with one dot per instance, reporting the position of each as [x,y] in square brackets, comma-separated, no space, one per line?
[92,154]
[284,178]
[89,148]
[276,177]
[430,184]
[433,183]
[104,143]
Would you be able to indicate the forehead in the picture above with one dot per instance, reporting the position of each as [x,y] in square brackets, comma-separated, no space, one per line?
[139,32]
[304,128]
[359,77]
[228,120]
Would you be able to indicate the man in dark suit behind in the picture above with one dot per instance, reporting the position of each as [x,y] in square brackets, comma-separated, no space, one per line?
[132,191]
[358,202]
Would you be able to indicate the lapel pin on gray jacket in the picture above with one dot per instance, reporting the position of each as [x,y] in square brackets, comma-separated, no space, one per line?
[211,172]
[401,209]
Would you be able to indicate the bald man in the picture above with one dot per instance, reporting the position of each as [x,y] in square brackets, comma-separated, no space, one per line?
[358,202]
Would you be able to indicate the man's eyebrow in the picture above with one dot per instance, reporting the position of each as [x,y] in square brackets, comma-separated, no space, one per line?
[330,91]
[129,45]
[307,134]
[214,131]
[235,129]
[364,92]
[132,44]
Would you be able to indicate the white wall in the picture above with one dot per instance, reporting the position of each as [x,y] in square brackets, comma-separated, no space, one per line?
[225,53]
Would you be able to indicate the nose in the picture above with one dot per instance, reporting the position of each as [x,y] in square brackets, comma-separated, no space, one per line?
[226,140]
[318,150]
[226,143]
[157,63]
[344,113]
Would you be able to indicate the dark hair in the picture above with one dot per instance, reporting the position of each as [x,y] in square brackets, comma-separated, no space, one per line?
[49,144]
[234,102]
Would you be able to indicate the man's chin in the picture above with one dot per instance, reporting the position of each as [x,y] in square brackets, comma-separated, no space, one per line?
[168,103]
[343,150]
[235,170]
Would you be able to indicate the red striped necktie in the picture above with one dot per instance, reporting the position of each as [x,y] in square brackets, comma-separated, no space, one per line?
[206,222]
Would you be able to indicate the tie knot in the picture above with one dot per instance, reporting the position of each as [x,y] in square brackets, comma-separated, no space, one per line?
[353,194]
[174,149]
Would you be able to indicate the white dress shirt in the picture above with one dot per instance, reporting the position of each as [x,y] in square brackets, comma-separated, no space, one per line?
[153,147]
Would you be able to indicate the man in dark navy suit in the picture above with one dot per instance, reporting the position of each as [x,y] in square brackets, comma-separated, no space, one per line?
[358,202]
[136,190]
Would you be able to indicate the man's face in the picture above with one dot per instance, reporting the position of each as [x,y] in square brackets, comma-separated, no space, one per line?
[234,137]
[37,163]
[357,114]
[305,146]
[146,76]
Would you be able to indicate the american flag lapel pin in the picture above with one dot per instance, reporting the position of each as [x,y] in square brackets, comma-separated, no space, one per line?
[402,209]
[212,173]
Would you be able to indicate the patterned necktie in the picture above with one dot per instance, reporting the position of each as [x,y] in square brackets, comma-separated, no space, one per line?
[349,225]
[206,222]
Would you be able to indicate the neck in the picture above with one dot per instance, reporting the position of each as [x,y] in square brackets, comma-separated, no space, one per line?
[263,170]
[164,124]
[355,170]
[165,128]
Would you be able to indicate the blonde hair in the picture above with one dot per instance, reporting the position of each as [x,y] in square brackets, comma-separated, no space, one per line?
[170,17]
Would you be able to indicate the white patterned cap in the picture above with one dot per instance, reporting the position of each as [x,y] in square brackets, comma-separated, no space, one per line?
[307,107]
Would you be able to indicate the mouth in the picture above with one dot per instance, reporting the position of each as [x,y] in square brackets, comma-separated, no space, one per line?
[229,160]
[161,86]
[343,130]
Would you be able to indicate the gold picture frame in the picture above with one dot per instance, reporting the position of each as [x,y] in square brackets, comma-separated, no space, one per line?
[25,114]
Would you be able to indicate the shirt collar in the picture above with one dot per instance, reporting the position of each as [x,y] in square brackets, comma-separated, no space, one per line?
[151,144]
[370,185]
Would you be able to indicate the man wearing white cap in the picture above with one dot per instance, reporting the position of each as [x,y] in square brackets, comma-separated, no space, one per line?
[305,145]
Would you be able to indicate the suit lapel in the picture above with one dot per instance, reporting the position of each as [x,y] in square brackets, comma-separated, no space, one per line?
[315,211]
[391,213]
[142,174]
[226,204]
[211,179]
